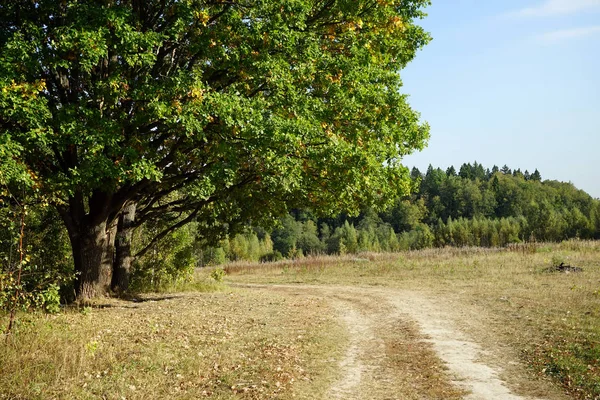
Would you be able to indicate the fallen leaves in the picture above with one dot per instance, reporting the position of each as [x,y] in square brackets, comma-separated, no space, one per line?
[247,345]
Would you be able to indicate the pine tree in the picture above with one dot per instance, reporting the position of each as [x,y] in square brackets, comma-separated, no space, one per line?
[536,176]
[466,171]
[416,174]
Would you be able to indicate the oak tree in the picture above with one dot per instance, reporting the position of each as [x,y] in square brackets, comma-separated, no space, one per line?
[247,107]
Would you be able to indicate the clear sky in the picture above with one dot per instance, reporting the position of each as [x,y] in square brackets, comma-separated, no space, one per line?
[513,82]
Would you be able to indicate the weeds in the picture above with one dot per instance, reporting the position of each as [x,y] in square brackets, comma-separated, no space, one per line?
[218,274]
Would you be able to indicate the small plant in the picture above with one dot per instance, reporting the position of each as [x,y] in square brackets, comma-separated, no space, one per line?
[218,274]
[558,259]
[91,348]
[50,298]
[272,257]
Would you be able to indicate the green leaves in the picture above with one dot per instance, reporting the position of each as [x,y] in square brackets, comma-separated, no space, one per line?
[259,104]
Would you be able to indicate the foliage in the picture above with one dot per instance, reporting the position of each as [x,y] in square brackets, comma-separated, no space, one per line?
[218,274]
[272,257]
[474,207]
[417,239]
[247,109]
[34,281]
[214,256]
[248,246]
[170,261]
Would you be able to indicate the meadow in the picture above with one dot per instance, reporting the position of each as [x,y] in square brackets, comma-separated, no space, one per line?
[549,319]
[227,341]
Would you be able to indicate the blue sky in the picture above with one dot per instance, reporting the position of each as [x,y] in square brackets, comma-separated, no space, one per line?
[513,82]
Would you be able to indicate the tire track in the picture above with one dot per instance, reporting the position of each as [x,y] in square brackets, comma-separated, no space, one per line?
[371,316]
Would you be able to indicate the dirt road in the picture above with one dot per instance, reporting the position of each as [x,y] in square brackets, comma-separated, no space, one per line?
[408,345]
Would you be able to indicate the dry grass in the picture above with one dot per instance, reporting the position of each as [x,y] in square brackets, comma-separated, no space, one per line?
[236,344]
[402,363]
[417,368]
[551,320]
[253,344]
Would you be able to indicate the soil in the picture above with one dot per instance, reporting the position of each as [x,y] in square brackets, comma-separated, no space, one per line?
[407,344]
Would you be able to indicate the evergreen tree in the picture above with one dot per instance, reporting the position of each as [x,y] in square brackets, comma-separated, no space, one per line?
[466,171]
[478,172]
[415,174]
[536,176]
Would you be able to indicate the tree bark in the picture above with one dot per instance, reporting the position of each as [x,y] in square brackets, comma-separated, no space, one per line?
[93,253]
[123,256]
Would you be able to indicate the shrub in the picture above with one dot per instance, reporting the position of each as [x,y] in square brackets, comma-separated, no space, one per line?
[218,274]
[272,257]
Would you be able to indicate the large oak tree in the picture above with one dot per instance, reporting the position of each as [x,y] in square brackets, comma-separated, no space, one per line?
[247,107]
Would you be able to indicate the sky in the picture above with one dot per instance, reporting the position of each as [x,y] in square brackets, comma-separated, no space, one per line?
[513,82]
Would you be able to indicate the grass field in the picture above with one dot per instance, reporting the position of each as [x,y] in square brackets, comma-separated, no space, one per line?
[551,320]
[258,344]
[221,345]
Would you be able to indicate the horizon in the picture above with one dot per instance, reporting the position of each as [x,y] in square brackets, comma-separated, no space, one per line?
[511,82]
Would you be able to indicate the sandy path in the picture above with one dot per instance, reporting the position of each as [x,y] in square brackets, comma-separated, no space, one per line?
[369,312]
[459,352]
[352,365]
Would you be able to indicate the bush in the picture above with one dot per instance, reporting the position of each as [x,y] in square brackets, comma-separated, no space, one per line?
[218,274]
[272,257]
[171,261]
[46,270]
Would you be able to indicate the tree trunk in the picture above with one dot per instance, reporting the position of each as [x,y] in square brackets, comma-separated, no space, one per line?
[123,255]
[93,251]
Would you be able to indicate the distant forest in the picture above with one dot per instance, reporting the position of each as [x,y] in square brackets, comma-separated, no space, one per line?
[474,206]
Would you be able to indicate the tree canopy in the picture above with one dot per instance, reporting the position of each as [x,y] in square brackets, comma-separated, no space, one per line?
[476,207]
[244,108]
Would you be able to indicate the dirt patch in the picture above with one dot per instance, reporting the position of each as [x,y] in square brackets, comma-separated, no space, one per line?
[460,353]
[351,365]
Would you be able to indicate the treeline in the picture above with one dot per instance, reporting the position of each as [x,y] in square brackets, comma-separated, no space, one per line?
[546,211]
[473,206]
